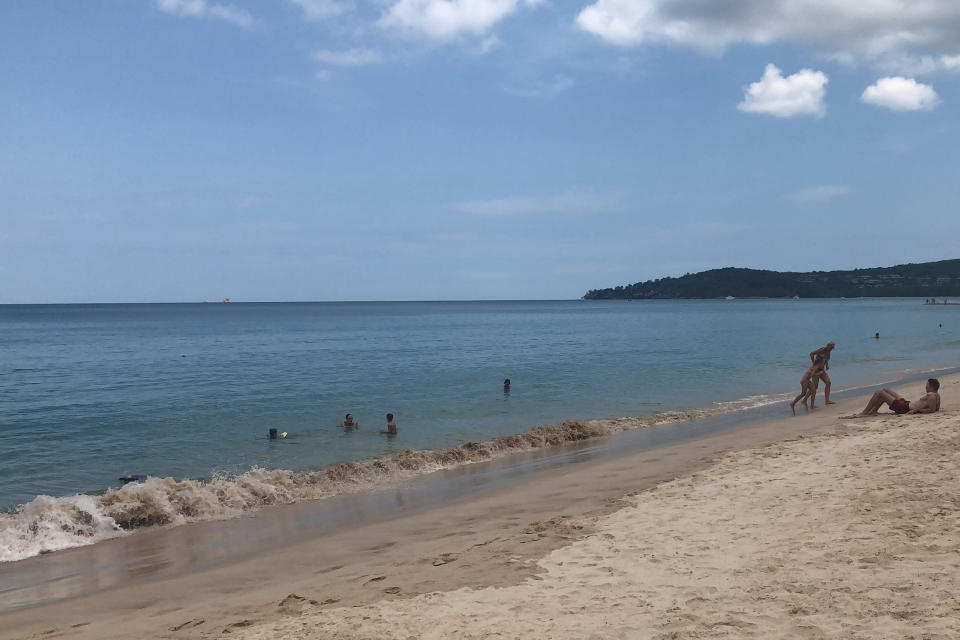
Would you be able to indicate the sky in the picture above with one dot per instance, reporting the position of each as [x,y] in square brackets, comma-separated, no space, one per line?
[190,150]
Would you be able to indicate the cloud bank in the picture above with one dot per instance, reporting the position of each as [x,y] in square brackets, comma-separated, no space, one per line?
[851,30]
[798,95]
[914,65]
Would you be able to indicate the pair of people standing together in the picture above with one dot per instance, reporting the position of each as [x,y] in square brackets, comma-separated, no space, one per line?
[819,363]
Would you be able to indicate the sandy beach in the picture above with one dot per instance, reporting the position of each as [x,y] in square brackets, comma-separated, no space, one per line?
[479,319]
[807,527]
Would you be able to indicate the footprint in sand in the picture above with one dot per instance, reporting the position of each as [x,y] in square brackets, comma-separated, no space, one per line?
[294,603]
[238,625]
[188,624]
[329,569]
[446,558]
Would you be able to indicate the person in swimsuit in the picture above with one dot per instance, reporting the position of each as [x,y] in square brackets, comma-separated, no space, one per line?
[824,352]
[808,384]
[391,426]
[348,422]
[928,403]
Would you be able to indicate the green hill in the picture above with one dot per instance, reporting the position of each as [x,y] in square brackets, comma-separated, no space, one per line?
[923,280]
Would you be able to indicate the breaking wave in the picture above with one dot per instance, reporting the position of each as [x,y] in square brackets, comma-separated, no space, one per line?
[49,524]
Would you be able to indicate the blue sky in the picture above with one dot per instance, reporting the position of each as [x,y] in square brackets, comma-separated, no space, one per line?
[187,150]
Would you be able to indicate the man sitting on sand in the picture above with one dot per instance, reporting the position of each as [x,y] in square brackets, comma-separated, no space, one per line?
[928,403]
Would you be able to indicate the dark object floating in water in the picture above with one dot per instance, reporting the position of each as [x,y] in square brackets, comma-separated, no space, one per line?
[127,479]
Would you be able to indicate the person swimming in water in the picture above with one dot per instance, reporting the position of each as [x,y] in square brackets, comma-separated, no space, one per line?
[348,422]
[391,429]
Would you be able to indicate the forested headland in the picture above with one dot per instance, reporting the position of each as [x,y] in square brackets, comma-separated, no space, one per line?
[925,280]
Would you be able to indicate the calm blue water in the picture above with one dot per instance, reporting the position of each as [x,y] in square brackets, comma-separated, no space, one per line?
[90,392]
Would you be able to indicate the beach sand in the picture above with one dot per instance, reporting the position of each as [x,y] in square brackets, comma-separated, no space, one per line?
[809,527]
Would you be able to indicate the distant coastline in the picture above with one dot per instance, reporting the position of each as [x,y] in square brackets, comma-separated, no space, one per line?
[939,279]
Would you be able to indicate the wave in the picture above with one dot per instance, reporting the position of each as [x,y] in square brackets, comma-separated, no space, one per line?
[49,524]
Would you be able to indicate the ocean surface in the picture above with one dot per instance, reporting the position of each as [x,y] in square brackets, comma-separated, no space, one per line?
[186,393]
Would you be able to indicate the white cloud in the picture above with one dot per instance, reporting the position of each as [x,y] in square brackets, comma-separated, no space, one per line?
[566,202]
[820,194]
[448,19]
[540,88]
[488,44]
[322,9]
[348,57]
[914,65]
[798,95]
[202,9]
[229,13]
[901,94]
[950,63]
[195,8]
[845,29]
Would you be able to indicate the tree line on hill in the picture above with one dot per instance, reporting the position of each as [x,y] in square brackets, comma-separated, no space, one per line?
[922,280]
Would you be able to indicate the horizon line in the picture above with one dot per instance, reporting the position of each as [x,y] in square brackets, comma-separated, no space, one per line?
[231,301]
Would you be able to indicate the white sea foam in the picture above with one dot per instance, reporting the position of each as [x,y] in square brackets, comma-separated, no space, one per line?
[49,524]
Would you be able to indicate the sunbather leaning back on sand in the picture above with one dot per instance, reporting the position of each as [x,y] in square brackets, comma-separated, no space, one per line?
[928,403]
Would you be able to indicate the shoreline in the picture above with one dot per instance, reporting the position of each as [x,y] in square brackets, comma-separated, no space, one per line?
[846,533]
[50,524]
[56,524]
[493,539]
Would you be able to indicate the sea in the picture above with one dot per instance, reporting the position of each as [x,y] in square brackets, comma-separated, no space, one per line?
[185,394]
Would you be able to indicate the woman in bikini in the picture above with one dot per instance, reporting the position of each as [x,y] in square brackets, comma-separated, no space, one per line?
[808,384]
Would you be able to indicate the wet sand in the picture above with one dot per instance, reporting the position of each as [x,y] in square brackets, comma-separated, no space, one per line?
[803,527]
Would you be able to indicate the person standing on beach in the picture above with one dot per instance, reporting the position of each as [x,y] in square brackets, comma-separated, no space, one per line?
[808,385]
[824,352]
